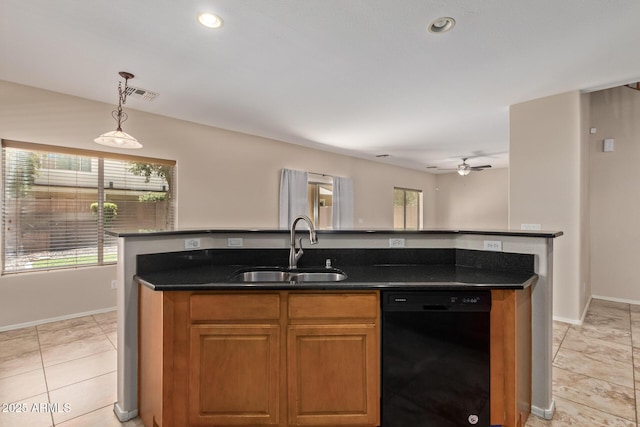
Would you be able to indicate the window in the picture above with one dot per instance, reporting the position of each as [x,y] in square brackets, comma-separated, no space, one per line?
[320,201]
[57,202]
[66,162]
[407,209]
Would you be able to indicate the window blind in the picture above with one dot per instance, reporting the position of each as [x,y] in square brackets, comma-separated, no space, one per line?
[58,202]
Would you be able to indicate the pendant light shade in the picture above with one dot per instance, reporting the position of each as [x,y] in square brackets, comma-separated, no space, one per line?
[118,138]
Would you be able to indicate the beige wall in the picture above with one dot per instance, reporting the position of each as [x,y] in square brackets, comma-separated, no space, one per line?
[614,194]
[225,179]
[229,179]
[478,200]
[547,181]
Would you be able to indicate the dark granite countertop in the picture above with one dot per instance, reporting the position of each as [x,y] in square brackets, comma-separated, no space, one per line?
[378,277]
[442,269]
[240,231]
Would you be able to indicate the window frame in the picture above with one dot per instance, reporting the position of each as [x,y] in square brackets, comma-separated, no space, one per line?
[404,208]
[314,182]
[101,186]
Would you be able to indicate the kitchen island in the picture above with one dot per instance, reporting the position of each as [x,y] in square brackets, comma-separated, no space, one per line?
[432,259]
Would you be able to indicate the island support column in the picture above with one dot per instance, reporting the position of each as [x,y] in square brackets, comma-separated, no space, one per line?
[126,406]
[542,403]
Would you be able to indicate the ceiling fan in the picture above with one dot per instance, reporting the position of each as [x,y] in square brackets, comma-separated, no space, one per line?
[465,168]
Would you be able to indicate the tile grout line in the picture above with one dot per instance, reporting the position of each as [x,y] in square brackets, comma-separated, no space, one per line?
[86,379]
[39,336]
[44,374]
[104,332]
[577,328]
[564,335]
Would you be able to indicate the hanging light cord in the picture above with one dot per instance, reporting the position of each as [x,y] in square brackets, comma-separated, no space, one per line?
[119,138]
[119,115]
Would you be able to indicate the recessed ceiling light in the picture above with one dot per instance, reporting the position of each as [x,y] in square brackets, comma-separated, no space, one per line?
[210,20]
[441,25]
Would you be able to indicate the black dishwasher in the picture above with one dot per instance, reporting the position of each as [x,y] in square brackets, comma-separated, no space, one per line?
[435,359]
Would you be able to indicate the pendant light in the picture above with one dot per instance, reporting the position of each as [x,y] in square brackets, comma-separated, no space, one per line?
[118,138]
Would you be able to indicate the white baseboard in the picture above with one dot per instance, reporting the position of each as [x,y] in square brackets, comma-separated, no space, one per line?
[547,414]
[578,322]
[624,300]
[55,319]
[124,416]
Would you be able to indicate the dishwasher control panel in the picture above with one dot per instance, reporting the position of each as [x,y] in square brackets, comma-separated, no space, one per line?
[437,301]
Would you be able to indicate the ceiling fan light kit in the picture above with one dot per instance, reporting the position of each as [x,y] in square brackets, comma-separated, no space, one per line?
[465,168]
[119,138]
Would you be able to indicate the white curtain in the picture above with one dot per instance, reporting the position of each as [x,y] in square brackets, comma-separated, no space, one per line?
[342,203]
[294,199]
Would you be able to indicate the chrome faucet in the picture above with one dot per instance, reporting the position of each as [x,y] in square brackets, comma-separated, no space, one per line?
[295,254]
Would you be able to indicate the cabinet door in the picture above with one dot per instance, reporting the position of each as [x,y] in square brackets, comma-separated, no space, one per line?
[333,375]
[234,375]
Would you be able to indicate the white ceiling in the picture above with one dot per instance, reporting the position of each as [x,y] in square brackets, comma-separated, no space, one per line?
[360,77]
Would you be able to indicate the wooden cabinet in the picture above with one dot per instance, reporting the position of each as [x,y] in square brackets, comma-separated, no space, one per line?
[289,358]
[259,358]
[510,357]
[235,359]
[333,355]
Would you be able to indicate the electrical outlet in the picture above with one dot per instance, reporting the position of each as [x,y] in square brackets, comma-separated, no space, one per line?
[235,242]
[396,243]
[114,284]
[191,243]
[493,245]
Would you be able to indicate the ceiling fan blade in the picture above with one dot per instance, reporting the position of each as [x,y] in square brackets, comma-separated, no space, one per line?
[475,168]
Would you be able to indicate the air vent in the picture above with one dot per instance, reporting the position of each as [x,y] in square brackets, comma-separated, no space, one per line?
[143,94]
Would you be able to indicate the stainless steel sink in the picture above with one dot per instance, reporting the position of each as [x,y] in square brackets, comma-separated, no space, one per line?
[262,276]
[282,275]
[320,276]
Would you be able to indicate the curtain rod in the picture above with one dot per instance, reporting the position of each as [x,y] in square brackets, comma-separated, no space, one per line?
[321,174]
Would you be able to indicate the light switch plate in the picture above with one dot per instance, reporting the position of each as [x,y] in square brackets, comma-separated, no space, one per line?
[607,145]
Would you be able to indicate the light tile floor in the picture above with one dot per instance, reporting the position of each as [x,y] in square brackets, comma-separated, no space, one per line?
[60,374]
[72,363]
[595,367]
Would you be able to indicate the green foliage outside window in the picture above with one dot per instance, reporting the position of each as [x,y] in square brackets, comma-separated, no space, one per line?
[406,197]
[22,171]
[152,196]
[109,212]
[147,170]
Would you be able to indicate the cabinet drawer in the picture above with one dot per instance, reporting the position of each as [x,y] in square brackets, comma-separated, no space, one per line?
[334,306]
[246,306]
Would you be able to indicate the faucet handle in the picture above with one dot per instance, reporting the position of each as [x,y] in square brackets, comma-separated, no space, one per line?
[299,252]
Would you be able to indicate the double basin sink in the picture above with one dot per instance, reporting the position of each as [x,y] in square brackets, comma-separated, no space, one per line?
[281,274]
